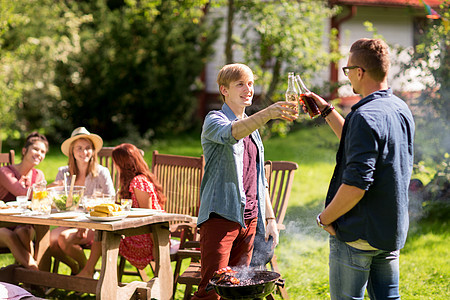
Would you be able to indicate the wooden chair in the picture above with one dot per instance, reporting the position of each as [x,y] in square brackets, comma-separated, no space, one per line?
[7,158]
[105,159]
[280,176]
[280,185]
[180,177]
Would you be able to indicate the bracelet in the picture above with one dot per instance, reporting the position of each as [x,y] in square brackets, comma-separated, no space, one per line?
[270,218]
[327,111]
[320,224]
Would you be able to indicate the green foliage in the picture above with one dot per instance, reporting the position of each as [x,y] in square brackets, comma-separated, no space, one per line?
[436,193]
[430,62]
[138,67]
[282,36]
[120,68]
[39,35]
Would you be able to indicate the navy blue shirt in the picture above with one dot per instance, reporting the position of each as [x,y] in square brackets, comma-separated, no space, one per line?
[376,154]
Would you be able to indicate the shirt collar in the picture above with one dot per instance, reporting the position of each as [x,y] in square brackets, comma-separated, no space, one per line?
[229,113]
[375,95]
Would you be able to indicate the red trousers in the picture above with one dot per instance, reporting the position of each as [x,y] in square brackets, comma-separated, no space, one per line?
[223,243]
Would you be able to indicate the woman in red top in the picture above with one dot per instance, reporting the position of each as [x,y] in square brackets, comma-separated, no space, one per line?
[140,185]
[15,181]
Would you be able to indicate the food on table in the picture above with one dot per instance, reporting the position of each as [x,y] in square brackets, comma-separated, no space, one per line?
[106,210]
[60,201]
[60,196]
[3,205]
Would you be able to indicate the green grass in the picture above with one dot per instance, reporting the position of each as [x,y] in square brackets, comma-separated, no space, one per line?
[303,249]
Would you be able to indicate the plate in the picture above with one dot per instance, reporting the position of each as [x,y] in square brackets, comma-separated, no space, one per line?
[11,211]
[142,212]
[17,204]
[106,219]
[65,215]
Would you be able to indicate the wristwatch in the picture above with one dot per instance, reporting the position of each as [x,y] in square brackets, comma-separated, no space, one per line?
[320,224]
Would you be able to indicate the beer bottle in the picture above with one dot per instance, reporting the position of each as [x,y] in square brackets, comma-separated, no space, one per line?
[310,104]
[291,92]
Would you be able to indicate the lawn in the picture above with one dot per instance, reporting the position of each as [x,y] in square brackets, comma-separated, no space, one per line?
[303,249]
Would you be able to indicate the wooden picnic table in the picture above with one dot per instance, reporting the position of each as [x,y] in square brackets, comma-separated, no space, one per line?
[109,233]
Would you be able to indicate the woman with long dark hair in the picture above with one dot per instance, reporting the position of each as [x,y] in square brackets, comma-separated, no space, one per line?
[141,186]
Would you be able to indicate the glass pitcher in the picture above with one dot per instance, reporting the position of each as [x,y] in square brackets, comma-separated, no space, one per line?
[40,200]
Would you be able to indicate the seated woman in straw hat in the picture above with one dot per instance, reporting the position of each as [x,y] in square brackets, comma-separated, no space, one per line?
[81,148]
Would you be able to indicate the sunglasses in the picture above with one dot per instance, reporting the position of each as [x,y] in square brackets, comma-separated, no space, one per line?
[346,69]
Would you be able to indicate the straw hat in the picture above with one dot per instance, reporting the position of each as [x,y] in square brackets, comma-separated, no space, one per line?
[79,133]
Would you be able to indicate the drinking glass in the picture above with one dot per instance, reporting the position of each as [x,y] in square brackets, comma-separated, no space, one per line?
[126,204]
[22,201]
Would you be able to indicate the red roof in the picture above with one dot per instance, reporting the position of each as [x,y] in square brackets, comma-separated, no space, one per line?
[398,3]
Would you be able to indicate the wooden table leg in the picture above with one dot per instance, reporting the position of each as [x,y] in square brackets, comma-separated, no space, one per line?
[107,285]
[42,241]
[161,252]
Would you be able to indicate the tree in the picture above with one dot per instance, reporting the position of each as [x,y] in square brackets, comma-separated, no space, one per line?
[139,67]
[281,36]
[120,68]
[278,37]
[35,35]
[431,60]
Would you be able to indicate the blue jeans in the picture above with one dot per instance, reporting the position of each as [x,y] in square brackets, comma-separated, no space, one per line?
[352,270]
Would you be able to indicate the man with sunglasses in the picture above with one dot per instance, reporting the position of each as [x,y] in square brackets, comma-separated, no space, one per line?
[366,209]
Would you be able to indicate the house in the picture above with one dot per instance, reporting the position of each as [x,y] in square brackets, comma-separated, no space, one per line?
[398,21]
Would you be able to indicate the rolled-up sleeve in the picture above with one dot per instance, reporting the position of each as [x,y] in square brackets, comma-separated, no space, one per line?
[361,147]
[217,128]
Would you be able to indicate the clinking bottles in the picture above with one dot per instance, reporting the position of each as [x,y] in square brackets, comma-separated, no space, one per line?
[311,106]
